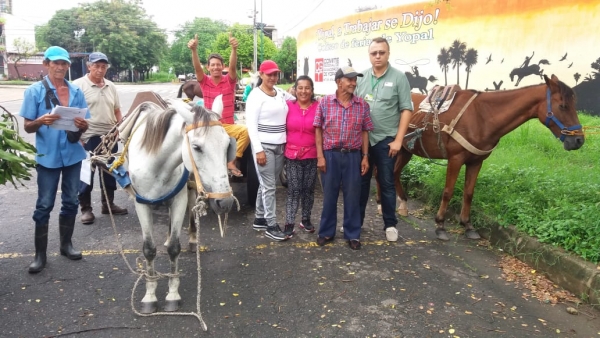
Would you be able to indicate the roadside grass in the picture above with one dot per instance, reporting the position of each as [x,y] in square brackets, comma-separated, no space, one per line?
[531,182]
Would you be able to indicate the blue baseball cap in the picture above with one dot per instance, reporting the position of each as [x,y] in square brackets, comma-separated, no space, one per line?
[97,56]
[55,53]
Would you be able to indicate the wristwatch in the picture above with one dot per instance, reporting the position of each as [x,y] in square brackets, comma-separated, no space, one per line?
[365,155]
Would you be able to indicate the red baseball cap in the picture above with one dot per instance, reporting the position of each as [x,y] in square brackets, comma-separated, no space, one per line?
[268,67]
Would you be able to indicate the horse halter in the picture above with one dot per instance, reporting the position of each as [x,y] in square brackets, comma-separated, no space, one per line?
[199,187]
[564,131]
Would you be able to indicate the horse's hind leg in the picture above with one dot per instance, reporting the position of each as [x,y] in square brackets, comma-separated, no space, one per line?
[451,175]
[402,159]
[149,302]
[177,209]
[465,213]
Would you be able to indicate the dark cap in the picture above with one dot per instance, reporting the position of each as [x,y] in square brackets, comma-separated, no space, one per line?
[97,56]
[347,72]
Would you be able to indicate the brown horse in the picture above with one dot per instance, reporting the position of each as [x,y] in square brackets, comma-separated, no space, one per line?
[191,88]
[487,117]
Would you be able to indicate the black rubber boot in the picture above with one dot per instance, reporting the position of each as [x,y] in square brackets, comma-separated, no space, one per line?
[66,226]
[41,244]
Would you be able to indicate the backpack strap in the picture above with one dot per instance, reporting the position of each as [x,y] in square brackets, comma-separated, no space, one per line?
[50,97]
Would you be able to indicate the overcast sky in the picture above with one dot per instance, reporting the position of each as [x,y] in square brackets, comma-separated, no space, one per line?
[289,17]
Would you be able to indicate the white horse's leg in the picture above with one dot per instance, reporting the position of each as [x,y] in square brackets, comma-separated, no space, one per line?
[149,302]
[177,212]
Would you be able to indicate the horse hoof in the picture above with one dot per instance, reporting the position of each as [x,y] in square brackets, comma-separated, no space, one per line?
[172,305]
[472,234]
[379,212]
[442,235]
[193,247]
[403,212]
[150,307]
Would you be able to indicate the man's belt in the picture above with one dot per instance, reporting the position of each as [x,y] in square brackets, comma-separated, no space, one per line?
[345,150]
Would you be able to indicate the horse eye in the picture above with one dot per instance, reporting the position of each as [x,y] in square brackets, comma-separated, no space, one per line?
[562,106]
[197,148]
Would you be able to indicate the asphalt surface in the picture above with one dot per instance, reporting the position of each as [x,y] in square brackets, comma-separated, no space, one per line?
[253,287]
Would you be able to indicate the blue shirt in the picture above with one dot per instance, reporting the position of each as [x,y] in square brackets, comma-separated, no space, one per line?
[53,148]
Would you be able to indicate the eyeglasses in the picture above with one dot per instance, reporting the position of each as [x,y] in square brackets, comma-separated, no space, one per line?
[380,52]
[101,66]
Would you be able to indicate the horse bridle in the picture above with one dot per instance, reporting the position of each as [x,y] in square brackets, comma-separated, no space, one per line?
[199,187]
[564,131]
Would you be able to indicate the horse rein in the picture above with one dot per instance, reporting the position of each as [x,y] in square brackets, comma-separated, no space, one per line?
[564,131]
[199,186]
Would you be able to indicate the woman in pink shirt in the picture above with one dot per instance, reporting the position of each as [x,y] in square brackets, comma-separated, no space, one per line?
[301,154]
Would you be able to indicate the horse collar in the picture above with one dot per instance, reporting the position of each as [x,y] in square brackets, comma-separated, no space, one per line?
[182,183]
[564,131]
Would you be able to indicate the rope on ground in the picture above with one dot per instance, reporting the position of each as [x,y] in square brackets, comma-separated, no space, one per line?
[144,273]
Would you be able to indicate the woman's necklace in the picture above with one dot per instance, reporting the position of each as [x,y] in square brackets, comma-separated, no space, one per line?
[270,92]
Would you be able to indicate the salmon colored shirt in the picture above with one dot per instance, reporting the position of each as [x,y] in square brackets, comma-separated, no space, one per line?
[300,130]
[226,87]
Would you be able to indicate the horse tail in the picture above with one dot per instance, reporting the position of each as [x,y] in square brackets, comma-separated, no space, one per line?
[180,92]
[432,78]
[544,62]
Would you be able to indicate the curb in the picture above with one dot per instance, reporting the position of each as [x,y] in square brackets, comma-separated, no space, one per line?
[565,269]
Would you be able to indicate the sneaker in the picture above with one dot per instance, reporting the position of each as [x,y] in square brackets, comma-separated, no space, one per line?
[288,230]
[307,226]
[275,233]
[391,234]
[260,224]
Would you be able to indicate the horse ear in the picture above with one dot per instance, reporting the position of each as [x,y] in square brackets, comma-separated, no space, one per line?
[547,79]
[554,78]
[217,105]
[183,109]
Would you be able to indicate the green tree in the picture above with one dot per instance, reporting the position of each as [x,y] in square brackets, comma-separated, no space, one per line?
[471,57]
[16,155]
[179,56]
[286,58]
[576,76]
[23,50]
[59,30]
[457,55]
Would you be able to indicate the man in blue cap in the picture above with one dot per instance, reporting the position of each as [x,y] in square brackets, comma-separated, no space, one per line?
[59,153]
[105,108]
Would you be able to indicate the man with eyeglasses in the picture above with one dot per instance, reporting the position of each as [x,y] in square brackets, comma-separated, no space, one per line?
[387,92]
[105,109]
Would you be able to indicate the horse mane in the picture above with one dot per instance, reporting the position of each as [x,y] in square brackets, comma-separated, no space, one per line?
[203,116]
[157,125]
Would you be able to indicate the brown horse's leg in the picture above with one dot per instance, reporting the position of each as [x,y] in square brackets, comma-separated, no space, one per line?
[465,213]
[402,159]
[451,175]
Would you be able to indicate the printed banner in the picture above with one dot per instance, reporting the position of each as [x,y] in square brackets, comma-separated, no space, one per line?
[486,45]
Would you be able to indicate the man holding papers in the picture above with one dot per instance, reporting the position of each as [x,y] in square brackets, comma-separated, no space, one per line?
[59,153]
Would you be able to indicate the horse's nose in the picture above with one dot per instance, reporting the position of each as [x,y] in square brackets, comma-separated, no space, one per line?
[224,204]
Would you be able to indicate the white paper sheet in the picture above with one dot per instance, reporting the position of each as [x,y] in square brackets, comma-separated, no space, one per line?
[85,175]
[67,117]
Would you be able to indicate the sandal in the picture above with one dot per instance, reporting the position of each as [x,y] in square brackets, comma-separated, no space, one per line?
[234,173]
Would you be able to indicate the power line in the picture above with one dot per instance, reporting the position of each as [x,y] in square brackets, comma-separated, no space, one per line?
[302,20]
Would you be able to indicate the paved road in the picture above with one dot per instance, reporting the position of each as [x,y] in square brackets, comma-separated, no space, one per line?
[252,287]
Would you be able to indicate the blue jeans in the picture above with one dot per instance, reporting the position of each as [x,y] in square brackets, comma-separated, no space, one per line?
[379,157]
[109,180]
[344,169]
[47,181]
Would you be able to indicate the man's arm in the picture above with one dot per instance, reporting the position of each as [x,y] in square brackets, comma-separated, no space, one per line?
[31,126]
[233,57]
[193,46]
[321,165]
[364,163]
[118,115]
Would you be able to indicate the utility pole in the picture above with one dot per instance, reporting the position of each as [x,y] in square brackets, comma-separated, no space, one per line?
[262,34]
[255,65]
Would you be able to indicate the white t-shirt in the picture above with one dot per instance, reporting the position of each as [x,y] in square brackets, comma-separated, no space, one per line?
[266,117]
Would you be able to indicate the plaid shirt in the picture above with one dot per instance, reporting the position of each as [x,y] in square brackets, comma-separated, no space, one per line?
[226,87]
[342,127]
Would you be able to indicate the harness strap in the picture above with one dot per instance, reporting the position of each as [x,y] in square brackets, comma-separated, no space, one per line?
[182,183]
[200,124]
[50,97]
[458,137]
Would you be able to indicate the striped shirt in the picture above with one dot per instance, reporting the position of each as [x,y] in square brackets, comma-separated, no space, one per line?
[343,127]
[266,117]
[210,91]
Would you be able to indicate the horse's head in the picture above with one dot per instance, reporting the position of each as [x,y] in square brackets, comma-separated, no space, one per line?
[512,74]
[209,148]
[560,114]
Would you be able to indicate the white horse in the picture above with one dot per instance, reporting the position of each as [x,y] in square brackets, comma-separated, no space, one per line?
[164,146]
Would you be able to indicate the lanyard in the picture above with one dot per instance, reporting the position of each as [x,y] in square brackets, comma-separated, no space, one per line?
[373,85]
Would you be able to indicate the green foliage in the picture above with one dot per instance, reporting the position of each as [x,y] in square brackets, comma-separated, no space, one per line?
[16,155]
[179,55]
[23,50]
[531,182]
[286,57]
